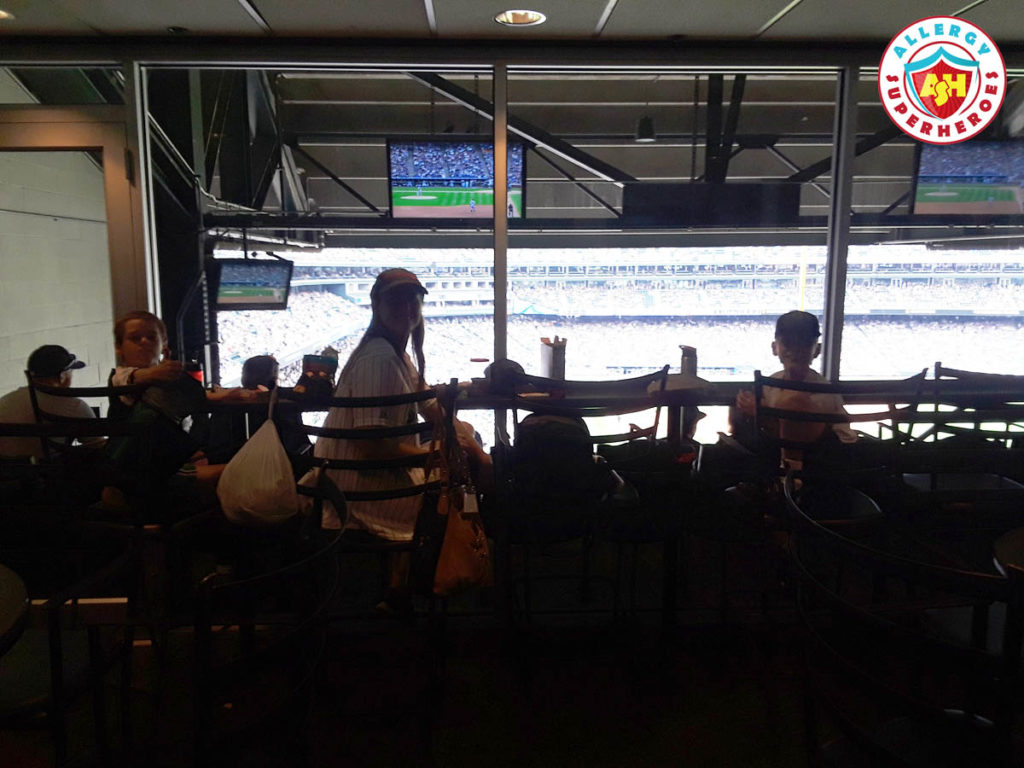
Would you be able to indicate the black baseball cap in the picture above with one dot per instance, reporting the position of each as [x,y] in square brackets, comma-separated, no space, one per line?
[800,328]
[52,360]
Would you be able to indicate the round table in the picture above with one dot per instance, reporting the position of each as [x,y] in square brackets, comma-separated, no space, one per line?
[13,608]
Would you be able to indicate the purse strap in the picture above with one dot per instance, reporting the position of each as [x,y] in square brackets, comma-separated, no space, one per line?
[445,455]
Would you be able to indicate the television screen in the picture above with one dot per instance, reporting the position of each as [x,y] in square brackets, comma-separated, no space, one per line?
[972,177]
[252,283]
[451,178]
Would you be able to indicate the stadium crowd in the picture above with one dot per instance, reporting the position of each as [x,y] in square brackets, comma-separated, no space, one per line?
[984,161]
[243,334]
[451,164]
[729,346]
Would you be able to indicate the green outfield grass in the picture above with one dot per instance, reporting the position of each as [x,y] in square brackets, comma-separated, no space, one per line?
[447,197]
[247,290]
[963,193]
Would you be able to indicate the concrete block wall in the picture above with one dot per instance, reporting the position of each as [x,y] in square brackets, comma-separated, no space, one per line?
[54,264]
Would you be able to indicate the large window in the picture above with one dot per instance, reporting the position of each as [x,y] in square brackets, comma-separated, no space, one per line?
[910,306]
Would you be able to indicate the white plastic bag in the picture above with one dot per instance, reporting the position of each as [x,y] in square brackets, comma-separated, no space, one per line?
[257,486]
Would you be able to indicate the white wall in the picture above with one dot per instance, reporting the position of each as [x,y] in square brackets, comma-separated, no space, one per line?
[54,266]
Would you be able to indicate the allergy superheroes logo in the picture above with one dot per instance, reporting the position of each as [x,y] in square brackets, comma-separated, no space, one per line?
[942,80]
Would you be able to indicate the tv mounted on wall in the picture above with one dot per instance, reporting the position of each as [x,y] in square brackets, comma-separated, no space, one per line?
[250,283]
[972,177]
[451,178]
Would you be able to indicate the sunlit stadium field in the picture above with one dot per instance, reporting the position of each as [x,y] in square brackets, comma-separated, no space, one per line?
[423,202]
[967,198]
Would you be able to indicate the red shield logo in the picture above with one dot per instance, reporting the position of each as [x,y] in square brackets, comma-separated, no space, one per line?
[940,84]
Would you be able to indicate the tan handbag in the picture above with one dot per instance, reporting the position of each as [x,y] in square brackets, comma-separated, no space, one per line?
[465,559]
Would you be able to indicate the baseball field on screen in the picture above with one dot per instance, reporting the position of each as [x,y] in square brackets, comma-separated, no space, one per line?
[448,202]
[967,198]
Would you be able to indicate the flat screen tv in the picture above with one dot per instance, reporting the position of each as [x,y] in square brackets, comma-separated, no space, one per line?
[451,178]
[250,283]
[972,177]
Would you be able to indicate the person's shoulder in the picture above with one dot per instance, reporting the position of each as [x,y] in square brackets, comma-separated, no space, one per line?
[14,396]
[15,393]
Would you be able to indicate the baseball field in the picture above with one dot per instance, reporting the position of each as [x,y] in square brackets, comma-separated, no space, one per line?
[248,294]
[448,202]
[968,198]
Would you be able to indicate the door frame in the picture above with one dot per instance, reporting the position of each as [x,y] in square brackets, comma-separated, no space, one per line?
[104,128]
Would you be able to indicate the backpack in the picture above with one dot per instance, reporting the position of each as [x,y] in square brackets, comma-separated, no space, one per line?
[553,459]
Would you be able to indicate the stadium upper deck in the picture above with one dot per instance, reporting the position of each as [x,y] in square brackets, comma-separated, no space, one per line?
[646,282]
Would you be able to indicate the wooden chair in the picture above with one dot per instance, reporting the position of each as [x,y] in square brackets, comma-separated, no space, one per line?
[542,510]
[258,646]
[894,692]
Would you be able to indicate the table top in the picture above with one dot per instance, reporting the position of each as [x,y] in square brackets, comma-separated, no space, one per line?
[13,608]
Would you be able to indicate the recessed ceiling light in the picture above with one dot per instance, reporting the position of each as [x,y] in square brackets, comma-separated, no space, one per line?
[520,18]
[5,15]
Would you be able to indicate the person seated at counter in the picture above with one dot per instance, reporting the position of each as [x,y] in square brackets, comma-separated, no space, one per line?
[50,366]
[796,345]
[381,365]
[143,357]
[229,429]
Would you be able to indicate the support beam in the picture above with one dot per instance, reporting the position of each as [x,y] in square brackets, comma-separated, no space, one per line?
[896,203]
[522,128]
[794,167]
[586,190]
[732,119]
[876,139]
[839,219]
[713,129]
[500,211]
[337,180]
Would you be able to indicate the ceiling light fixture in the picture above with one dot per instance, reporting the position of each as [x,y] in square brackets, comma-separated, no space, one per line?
[520,18]
[5,15]
[645,130]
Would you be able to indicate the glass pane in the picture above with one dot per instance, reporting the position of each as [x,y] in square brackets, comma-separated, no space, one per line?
[598,141]
[329,305]
[955,295]
[909,306]
[626,311]
[370,158]
[61,86]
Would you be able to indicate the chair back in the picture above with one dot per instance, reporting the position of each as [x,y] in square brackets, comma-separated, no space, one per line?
[52,447]
[390,470]
[813,409]
[898,690]
[552,485]
[978,407]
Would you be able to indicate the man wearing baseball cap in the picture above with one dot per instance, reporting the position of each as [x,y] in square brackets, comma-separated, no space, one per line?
[49,366]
